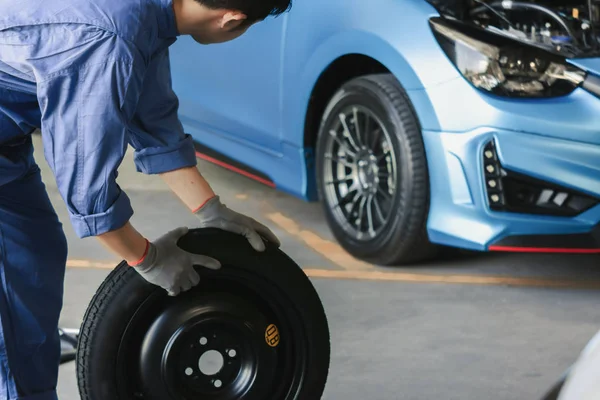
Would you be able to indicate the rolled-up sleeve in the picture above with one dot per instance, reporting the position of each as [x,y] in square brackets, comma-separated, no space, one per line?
[156,132]
[85,113]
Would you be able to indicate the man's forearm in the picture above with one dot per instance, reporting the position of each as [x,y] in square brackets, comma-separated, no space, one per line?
[125,242]
[189,185]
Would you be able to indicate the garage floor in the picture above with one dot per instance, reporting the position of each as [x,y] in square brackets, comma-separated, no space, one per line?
[492,327]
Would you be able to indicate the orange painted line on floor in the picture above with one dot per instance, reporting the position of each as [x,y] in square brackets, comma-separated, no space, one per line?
[77,263]
[453,279]
[328,249]
[480,280]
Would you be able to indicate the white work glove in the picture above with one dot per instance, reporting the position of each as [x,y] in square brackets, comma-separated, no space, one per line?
[214,214]
[169,266]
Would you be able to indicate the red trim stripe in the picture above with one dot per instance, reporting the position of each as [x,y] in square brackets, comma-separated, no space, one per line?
[235,169]
[544,250]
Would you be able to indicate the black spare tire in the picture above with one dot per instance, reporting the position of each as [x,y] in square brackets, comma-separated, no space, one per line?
[253,330]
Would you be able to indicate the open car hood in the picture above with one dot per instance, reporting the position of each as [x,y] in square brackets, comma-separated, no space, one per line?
[591,65]
[570,28]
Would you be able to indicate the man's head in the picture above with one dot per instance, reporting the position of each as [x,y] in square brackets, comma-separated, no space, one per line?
[218,21]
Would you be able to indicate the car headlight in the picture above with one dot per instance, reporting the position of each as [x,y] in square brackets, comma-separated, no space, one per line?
[504,66]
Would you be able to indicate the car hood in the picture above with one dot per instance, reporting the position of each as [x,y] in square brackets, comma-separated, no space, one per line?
[590,65]
[567,27]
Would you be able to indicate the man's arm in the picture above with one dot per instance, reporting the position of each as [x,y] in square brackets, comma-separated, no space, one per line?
[163,148]
[85,108]
[126,243]
[190,186]
[187,184]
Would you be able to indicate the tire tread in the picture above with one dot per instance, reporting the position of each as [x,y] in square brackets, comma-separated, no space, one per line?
[122,293]
[112,284]
[408,241]
[413,245]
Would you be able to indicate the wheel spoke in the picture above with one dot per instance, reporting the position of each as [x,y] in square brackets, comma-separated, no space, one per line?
[361,212]
[385,194]
[343,146]
[370,217]
[381,157]
[338,181]
[354,187]
[357,128]
[378,211]
[339,160]
[375,134]
[356,205]
[351,189]
[347,133]
[347,198]
[367,122]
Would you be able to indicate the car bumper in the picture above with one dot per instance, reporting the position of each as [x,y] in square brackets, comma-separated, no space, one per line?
[583,243]
[549,143]
[462,213]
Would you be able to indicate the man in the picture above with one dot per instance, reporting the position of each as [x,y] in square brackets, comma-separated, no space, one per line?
[94,76]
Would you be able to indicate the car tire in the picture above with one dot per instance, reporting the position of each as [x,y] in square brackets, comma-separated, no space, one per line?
[383,169]
[124,337]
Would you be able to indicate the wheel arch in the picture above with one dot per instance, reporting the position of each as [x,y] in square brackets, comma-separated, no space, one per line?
[340,71]
[345,56]
[338,60]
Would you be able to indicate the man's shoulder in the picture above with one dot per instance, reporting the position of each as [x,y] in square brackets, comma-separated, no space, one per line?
[130,19]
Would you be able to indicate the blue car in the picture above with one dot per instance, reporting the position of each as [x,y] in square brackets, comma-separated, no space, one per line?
[417,124]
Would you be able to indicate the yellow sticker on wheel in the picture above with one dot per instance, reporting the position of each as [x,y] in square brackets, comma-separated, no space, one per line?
[272,335]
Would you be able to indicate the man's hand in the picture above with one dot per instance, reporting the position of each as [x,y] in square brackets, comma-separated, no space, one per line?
[189,185]
[214,214]
[170,267]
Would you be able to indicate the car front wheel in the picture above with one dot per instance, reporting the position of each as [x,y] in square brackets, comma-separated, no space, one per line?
[372,172]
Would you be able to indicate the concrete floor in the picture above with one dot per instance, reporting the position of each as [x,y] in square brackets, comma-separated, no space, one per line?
[413,333]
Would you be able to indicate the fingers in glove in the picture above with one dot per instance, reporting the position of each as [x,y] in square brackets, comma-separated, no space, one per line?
[177,233]
[245,229]
[186,284]
[174,291]
[254,238]
[194,277]
[267,233]
[205,261]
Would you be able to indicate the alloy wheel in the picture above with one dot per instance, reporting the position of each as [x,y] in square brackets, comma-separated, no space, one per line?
[360,172]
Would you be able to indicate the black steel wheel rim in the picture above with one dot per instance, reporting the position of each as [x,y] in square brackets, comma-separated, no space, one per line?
[360,172]
[163,352]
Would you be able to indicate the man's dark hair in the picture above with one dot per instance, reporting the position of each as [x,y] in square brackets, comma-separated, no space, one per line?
[255,10]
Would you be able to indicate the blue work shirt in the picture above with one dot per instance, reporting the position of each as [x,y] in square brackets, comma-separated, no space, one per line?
[98,72]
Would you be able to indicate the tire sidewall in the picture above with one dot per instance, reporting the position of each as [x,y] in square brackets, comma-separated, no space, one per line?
[123,292]
[366,93]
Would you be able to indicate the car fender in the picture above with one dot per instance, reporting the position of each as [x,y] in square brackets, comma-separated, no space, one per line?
[364,43]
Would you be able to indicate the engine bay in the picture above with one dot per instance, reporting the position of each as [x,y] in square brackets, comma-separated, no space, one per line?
[570,28]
